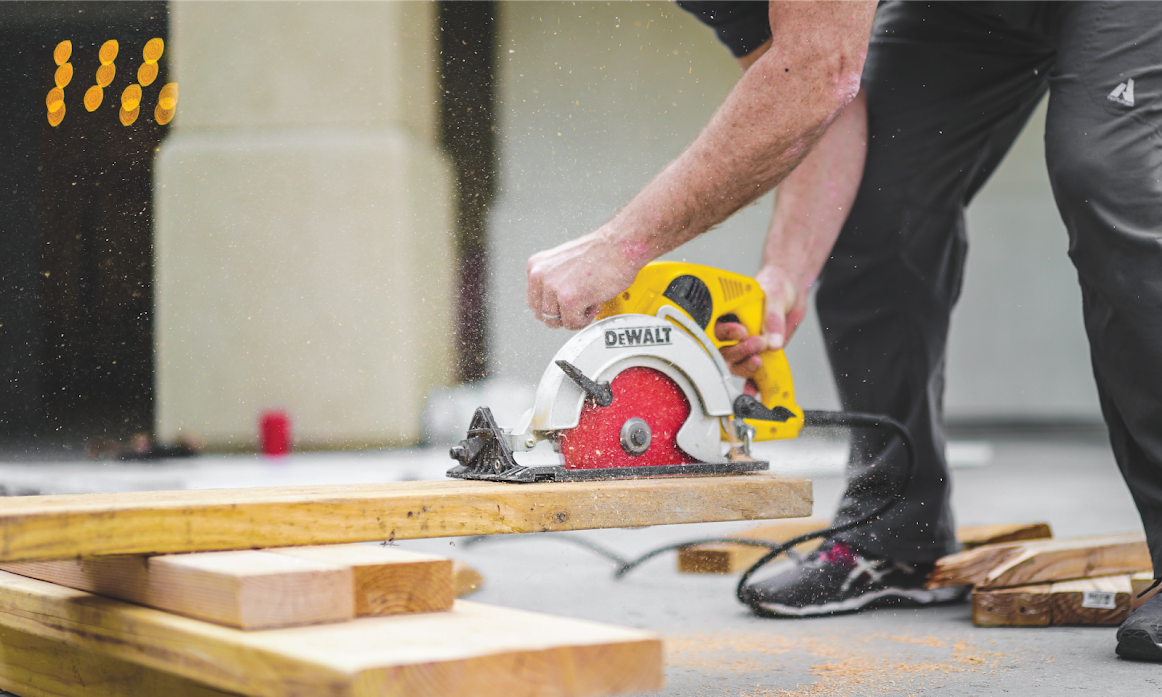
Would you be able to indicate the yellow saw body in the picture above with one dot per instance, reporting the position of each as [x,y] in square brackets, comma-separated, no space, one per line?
[644,391]
[720,294]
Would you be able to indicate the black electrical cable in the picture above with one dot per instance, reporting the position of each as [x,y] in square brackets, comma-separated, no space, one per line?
[849,419]
[811,419]
[579,541]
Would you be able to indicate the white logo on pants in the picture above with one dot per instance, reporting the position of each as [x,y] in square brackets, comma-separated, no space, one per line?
[1123,93]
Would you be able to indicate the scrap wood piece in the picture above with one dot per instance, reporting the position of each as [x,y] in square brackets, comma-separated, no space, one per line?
[247,589]
[971,566]
[971,536]
[1092,601]
[725,558]
[1022,606]
[34,528]
[1039,561]
[465,579]
[33,666]
[473,650]
[1083,557]
[387,580]
[1103,601]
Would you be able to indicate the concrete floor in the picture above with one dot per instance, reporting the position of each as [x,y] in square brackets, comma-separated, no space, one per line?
[713,645]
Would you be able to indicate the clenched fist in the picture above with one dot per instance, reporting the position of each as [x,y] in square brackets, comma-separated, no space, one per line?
[568,283]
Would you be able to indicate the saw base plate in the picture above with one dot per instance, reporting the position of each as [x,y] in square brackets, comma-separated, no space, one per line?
[557,473]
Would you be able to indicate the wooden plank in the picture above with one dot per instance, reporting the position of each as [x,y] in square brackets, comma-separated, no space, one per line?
[388,581]
[32,666]
[1040,561]
[1139,582]
[1023,606]
[34,528]
[465,579]
[244,589]
[723,558]
[1092,601]
[473,650]
[1083,557]
[977,535]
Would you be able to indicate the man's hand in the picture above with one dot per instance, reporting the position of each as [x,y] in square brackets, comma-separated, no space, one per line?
[769,122]
[568,283]
[786,307]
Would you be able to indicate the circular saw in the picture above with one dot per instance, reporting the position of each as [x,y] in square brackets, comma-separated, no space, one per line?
[644,391]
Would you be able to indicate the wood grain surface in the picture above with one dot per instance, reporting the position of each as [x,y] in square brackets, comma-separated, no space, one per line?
[33,666]
[68,526]
[473,650]
[246,589]
[1023,606]
[388,581]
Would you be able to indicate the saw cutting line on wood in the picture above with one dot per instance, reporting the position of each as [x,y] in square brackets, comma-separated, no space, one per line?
[643,392]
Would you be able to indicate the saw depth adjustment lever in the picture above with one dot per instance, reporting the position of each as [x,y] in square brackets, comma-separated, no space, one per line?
[600,392]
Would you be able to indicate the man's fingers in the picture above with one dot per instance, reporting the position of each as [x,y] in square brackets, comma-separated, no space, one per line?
[729,331]
[751,346]
[776,329]
[746,368]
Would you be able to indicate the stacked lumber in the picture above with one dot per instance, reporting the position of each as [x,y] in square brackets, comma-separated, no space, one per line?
[1081,581]
[59,641]
[254,592]
[726,558]
[264,589]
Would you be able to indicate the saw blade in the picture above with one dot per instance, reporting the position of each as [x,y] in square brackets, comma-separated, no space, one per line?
[639,429]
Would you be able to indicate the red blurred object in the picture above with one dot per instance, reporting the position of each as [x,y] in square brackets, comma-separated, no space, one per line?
[274,432]
[638,392]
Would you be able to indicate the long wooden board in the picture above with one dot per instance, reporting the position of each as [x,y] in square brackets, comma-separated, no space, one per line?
[473,650]
[32,666]
[726,558]
[63,527]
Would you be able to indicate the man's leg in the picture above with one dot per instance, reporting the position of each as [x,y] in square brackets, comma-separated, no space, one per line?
[949,88]
[1103,145]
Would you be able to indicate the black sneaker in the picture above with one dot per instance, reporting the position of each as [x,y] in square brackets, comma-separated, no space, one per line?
[1140,636]
[837,578]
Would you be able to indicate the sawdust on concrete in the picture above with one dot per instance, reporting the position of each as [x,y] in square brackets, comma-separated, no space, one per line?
[842,665]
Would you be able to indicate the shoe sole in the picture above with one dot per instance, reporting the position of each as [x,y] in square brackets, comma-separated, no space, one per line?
[1138,645]
[915,596]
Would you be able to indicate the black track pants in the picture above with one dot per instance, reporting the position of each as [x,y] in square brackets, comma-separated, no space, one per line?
[949,87]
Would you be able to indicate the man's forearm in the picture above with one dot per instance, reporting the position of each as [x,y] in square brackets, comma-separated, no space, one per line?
[782,105]
[813,202]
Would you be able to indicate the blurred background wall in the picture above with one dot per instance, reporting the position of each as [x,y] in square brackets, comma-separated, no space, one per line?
[337,220]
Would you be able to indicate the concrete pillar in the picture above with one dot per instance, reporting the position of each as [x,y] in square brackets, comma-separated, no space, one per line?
[304,223]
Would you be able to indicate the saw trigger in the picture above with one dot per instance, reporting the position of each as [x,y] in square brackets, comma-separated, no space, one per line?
[747,407]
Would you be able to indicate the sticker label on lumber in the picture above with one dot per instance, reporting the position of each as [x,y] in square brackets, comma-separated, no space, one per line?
[1098,600]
